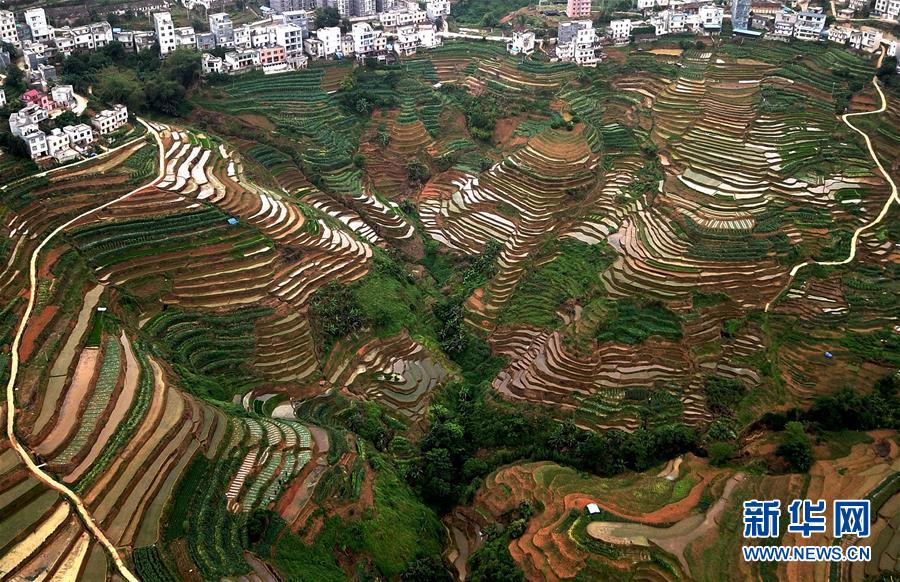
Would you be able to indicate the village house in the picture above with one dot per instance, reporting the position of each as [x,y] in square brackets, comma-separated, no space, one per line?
[522,43]
[414,36]
[577,42]
[80,135]
[63,96]
[109,120]
[8,31]
[809,26]
[38,99]
[620,31]
[367,41]
[325,42]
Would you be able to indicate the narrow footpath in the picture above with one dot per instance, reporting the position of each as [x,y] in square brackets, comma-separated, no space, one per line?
[11,410]
[894,197]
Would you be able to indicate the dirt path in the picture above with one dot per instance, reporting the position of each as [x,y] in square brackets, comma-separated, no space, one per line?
[11,409]
[894,197]
[674,539]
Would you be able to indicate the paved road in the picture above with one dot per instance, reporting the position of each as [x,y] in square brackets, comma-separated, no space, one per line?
[894,197]
[42,476]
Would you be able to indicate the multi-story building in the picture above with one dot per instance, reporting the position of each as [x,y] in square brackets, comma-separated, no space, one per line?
[809,26]
[324,43]
[59,146]
[577,42]
[165,32]
[206,41]
[290,36]
[281,6]
[414,36]
[185,37]
[80,135]
[211,64]
[272,55]
[2,98]
[299,18]
[109,120]
[889,9]
[36,21]
[578,8]
[36,140]
[620,30]
[221,27]
[241,60]
[522,43]
[740,14]
[784,24]
[404,17]
[344,7]
[21,121]
[8,32]
[144,39]
[710,17]
[38,99]
[839,34]
[435,9]
[366,40]
[866,39]
[363,8]
[82,38]
[63,96]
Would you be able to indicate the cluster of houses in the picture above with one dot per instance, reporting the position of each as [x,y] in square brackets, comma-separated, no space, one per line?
[284,41]
[779,22]
[281,41]
[65,143]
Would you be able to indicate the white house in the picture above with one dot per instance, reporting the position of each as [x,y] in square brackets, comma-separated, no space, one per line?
[79,135]
[165,32]
[839,34]
[577,42]
[325,43]
[522,43]
[435,9]
[889,9]
[367,40]
[784,24]
[59,146]
[620,30]
[394,18]
[710,17]
[8,31]
[222,28]
[211,64]
[2,98]
[21,121]
[414,36]
[809,26]
[36,140]
[109,120]
[36,21]
[290,36]
[185,37]
[63,96]
[241,60]
[866,39]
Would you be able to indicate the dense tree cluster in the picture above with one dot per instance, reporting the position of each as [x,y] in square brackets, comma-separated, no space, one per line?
[141,81]
[336,311]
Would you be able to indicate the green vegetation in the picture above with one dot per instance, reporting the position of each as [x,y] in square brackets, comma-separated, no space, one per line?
[628,321]
[398,532]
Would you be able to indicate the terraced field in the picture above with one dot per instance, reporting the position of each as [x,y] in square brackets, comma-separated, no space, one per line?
[253,337]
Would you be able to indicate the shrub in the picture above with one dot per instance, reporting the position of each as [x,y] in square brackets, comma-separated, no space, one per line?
[795,448]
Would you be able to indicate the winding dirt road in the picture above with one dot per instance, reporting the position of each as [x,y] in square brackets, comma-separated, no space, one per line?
[38,473]
[894,197]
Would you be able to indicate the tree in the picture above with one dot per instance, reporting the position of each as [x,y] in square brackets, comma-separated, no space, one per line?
[720,453]
[795,448]
[164,96]
[116,85]
[336,311]
[15,79]
[722,394]
[183,66]
[428,569]
[327,17]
